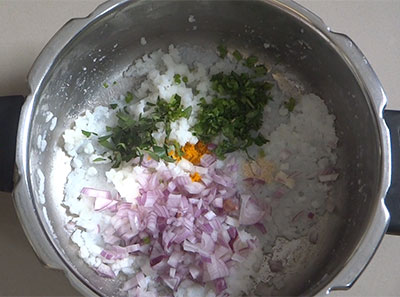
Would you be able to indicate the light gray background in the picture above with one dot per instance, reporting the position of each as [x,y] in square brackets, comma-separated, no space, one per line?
[26,26]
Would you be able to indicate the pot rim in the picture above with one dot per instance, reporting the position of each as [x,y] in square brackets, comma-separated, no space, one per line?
[44,245]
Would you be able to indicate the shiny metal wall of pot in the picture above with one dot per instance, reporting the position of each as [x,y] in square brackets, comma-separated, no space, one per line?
[66,79]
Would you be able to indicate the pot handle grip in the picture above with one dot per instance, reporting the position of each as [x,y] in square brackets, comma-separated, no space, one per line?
[10,108]
[392,200]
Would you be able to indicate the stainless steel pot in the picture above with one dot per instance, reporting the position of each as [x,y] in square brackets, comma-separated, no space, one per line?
[67,77]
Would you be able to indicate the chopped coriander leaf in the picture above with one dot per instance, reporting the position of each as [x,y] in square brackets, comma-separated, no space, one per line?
[260,70]
[99,160]
[132,138]
[168,112]
[86,133]
[260,140]
[106,144]
[146,240]
[261,153]
[290,104]
[185,79]
[236,113]
[237,55]
[196,92]
[177,78]
[113,106]
[105,85]
[222,51]
[251,61]
[128,97]
[114,83]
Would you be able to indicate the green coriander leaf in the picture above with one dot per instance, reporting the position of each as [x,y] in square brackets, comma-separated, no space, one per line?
[106,137]
[105,85]
[237,55]
[99,160]
[117,160]
[121,146]
[290,104]
[222,51]
[128,97]
[106,144]
[185,79]
[86,133]
[160,151]
[152,155]
[177,78]
[235,114]
[260,70]
[113,106]
[260,140]
[114,83]
[168,159]
[187,112]
[251,61]
[146,240]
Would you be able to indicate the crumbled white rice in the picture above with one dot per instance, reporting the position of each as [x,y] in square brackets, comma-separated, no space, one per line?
[306,135]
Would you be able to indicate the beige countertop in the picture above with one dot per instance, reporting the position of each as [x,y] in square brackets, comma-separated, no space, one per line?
[26,26]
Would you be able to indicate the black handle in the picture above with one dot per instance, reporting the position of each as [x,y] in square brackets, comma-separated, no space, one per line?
[392,201]
[10,108]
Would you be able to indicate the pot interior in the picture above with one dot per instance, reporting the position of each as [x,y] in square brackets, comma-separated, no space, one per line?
[103,50]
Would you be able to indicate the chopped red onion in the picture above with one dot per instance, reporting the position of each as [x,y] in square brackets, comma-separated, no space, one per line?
[218,202]
[141,280]
[105,271]
[96,193]
[194,187]
[207,159]
[250,213]
[182,226]
[194,271]
[174,259]
[220,285]
[217,268]
[210,215]
[261,227]
[174,200]
[172,272]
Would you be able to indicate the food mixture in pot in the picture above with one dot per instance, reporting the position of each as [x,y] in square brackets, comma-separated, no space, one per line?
[184,185]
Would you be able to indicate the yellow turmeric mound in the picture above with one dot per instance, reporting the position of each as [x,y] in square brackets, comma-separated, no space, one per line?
[195,177]
[191,152]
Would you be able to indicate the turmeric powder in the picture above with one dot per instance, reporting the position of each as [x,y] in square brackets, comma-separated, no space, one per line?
[191,152]
[195,177]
